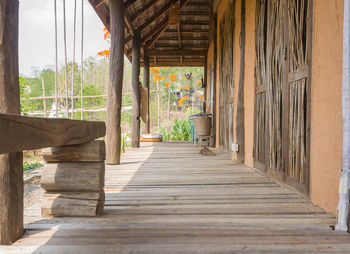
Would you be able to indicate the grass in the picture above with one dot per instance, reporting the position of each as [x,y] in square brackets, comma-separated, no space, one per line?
[30,166]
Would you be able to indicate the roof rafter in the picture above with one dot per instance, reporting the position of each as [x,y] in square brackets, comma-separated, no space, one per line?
[156,15]
[143,10]
[128,3]
[161,29]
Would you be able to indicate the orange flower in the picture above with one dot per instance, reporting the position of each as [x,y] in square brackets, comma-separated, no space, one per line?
[187,88]
[106,34]
[201,96]
[172,77]
[161,78]
[156,78]
[104,53]
[198,82]
[185,97]
[167,84]
[154,69]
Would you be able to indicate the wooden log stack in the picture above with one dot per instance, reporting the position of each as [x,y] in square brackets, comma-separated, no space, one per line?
[73,178]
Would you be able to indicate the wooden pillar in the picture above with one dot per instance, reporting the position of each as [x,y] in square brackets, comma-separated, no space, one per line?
[215,20]
[240,100]
[146,125]
[135,96]
[205,83]
[115,86]
[11,165]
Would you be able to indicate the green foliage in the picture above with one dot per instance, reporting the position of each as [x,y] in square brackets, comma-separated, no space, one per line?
[26,106]
[192,111]
[165,133]
[30,166]
[180,131]
[125,142]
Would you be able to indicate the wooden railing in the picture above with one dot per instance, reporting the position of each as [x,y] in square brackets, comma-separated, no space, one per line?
[18,133]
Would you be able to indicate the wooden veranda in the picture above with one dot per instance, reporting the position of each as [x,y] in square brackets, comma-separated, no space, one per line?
[167,198]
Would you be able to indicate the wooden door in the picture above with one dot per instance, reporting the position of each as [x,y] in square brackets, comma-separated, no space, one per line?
[275,78]
[260,125]
[283,90]
[298,93]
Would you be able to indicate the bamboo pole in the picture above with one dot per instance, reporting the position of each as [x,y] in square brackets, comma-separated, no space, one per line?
[169,103]
[158,105]
[56,58]
[82,63]
[44,100]
[65,56]
[74,35]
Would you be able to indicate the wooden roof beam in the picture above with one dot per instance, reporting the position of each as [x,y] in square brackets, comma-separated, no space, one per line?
[157,35]
[143,10]
[160,25]
[99,3]
[179,35]
[176,63]
[173,38]
[199,4]
[128,23]
[128,3]
[201,14]
[191,31]
[161,29]
[189,46]
[155,16]
[176,52]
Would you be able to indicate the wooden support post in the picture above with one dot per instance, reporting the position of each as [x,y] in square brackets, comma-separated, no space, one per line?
[205,80]
[11,165]
[115,87]
[215,20]
[146,125]
[135,96]
[240,103]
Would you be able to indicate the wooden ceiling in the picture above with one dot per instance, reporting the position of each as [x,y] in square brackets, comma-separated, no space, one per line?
[181,44]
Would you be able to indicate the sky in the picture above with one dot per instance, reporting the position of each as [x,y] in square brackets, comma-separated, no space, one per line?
[37,34]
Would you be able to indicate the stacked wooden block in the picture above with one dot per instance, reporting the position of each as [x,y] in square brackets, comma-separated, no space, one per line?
[73,180]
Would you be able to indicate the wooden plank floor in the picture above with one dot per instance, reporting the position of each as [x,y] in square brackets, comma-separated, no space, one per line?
[167,198]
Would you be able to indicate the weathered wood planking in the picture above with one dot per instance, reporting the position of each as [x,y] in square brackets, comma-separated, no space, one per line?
[65,204]
[147,211]
[77,176]
[18,133]
[93,151]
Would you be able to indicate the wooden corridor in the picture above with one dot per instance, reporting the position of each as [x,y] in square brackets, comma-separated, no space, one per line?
[167,198]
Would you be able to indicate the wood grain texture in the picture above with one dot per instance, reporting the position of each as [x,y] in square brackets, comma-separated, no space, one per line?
[11,165]
[146,124]
[18,133]
[240,134]
[69,176]
[115,86]
[93,151]
[72,204]
[135,95]
[167,198]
